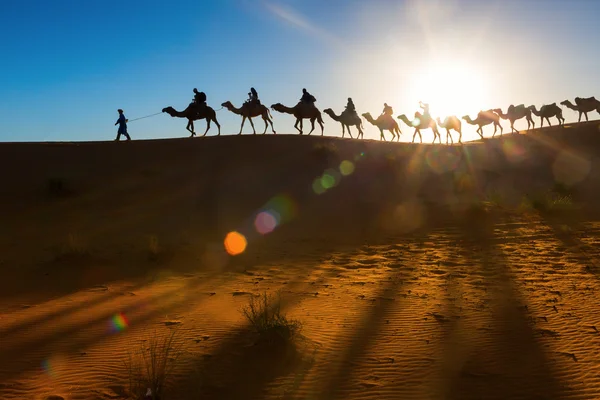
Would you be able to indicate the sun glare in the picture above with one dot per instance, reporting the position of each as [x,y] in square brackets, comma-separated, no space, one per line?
[450,88]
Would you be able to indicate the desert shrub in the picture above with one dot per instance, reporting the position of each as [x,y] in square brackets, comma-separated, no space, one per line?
[150,367]
[153,248]
[58,187]
[547,202]
[265,316]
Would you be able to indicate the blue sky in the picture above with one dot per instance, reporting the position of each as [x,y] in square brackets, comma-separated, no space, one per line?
[68,65]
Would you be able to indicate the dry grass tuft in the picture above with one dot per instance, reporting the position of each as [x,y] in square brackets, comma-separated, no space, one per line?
[265,316]
[150,367]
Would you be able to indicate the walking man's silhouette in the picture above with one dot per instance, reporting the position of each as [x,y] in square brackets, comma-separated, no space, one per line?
[122,121]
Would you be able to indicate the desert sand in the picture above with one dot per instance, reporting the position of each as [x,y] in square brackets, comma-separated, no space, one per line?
[414,270]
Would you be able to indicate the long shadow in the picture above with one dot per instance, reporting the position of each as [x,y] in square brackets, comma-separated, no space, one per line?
[564,226]
[365,333]
[511,363]
[66,338]
[242,365]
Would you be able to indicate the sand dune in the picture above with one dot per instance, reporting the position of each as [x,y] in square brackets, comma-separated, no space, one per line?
[406,287]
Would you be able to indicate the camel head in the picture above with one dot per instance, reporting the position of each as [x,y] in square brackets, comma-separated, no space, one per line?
[227,105]
[328,111]
[169,110]
[466,118]
[497,110]
[368,117]
[278,107]
[565,103]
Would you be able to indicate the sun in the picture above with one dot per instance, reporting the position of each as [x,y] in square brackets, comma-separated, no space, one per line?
[450,88]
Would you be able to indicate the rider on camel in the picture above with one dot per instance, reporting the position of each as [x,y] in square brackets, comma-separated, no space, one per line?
[199,98]
[307,97]
[253,97]
[387,110]
[350,109]
[425,107]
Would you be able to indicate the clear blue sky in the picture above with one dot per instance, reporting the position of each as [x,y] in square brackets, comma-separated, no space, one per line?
[68,65]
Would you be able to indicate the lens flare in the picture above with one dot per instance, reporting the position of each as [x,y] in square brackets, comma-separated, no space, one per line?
[317,186]
[119,323]
[235,243]
[346,167]
[266,221]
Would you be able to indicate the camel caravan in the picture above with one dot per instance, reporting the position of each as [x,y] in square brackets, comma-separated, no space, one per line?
[306,109]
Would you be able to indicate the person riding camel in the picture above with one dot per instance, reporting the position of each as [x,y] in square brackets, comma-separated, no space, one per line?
[387,110]
[307,98]
[425,108]
[199,98]
[253,97]
[350,109]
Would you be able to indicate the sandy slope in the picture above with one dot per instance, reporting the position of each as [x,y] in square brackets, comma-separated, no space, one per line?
[402,291]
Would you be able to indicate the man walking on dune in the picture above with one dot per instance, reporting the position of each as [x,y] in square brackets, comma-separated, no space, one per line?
[122,121]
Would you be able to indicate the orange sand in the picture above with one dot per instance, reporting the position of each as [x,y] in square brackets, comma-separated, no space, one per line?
[404,292]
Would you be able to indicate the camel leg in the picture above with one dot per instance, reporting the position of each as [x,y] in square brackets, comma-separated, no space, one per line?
[266,124]
[381,137]
[252,124]
[460,136]
[586,117]
[343,130]
[243,121]
[217,124]
[272,127]
[207,126]
[512,127]
[298,121]
[190,127]
[349,133]
[322,128]
[480,131]
[580,115]
[312,126]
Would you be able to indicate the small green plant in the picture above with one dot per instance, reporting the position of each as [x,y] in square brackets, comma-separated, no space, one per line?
[547,202]
[150,367]
[265,316]
[58,187]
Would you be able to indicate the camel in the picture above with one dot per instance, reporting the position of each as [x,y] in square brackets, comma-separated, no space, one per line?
[346,120]
[451,122]
[192,113]
[514,113]
[548,111]
[485,118]
[250,111]
[583,106]
[302,111]
[384,122]
[422,122]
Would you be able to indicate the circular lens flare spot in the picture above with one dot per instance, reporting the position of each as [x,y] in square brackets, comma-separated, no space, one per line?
[317,186]
[327,181]
[119,322]
[235,243]
[265,222]
[346,167]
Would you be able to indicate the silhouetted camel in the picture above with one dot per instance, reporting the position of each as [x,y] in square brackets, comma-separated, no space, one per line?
[548,111]
[421,122]
[384,122]
[514,113]
[583,106]
[192,113]
[346,120]
[302,111]
[451,122]
[250,111]
[485,118]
